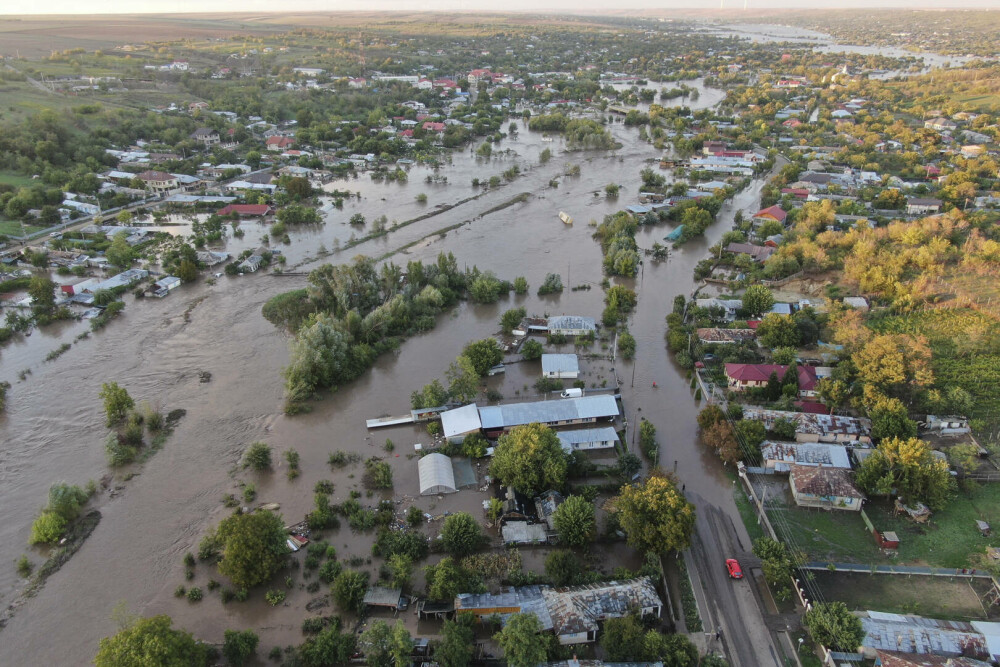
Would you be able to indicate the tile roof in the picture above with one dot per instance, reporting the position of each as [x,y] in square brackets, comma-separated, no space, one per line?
[762,373]
[775,212]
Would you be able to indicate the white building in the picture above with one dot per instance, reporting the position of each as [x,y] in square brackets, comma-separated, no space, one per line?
[560,366]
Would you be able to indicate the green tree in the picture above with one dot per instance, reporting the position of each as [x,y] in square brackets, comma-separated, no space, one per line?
[457,644]
[908,468]
[349,590]
[655,515]
[563,567]
[254,547]
[329,647]
[151,642]
[42,293]
[622,639]
[671,650]
[401,645]
[400,569]
[574,521]
[531,350]
[461,534]
[119,253]
[239,647]
[318,358]
[433,395]
[485,289]
[484,355]
[521,641]
[463,380]
[777,331]
[834,626]
[253,159]
[511,318]
[757,299]
[376,644]
[445,580]
[530,458]
[117,402]
[520,285]
[258,457]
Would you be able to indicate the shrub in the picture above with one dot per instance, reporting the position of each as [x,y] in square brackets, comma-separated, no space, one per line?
[312,625]
[194,594]
[275,596]
[24,567]
[329,571]
[258,457]
[378,474]
[47,528]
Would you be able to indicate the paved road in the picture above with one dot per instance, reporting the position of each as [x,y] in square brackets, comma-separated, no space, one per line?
[726,604]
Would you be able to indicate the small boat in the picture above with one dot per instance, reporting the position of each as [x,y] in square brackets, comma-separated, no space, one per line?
[546,138]
[565,218]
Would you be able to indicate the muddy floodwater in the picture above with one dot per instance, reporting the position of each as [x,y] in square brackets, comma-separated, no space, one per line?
[53,429]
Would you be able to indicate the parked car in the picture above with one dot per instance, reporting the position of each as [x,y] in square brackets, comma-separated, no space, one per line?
[735,571]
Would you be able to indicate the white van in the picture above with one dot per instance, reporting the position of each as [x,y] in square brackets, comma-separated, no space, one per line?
[574,392]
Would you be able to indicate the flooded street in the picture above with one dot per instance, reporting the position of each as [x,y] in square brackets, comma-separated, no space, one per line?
[53,429]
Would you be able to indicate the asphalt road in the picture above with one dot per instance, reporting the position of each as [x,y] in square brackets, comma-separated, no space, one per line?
[730,607]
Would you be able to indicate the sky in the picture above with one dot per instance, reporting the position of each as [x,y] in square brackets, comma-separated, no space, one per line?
[188,6]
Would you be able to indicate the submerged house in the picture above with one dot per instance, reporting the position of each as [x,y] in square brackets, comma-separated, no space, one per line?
[823,487]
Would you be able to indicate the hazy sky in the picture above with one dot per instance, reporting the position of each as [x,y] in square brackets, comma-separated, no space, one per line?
[187,6]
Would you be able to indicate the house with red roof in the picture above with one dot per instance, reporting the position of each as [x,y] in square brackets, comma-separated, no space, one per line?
[749,376]
[798,193]
[431,126]
[770,213]
[792,123]
[246,210]
[278,144]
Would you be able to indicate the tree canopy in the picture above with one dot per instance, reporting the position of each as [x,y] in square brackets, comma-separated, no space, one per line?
[655,515]
[521,641]
[461,534]
[254,547]
[574,521]
[151,642]
[834,626]
[908,468]
[531,459]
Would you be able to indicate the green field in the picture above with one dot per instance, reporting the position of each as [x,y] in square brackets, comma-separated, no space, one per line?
[939,597]
[949,540]
[16,180]
[13,228]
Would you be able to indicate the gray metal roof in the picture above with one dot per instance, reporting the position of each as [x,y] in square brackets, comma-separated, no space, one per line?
[560,363]
[587,435]
[916,634]
[383,597]
[579,608]
[547,412]
[460,420]
[806,453]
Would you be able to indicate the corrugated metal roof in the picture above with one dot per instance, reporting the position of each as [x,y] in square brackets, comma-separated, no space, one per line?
[579,608]
[587,435]
[560,363]
[572,322]
[806,453]
[916,634]
[547,412]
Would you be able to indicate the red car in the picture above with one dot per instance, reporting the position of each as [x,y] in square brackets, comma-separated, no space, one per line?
[733,566]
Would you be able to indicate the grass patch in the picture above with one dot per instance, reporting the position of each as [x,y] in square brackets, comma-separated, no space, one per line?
[13,228]
[929,596]
[747,513]
[949,540]
[16,180]
[691,618]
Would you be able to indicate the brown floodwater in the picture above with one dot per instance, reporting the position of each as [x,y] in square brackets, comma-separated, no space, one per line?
[53,429]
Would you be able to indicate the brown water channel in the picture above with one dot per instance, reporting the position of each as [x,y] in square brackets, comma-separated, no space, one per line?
[53,429]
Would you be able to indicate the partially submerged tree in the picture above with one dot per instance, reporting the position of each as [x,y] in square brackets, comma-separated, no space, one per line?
[531,459]
[655,515]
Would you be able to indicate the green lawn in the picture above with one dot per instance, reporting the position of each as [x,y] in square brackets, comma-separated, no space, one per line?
[13,228]
[17,180]
[950,540]
[747,513]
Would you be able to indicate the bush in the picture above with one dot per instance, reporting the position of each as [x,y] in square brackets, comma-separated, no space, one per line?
[532,350]
[378,474]
[258,457]
[117,452]
[275,596]
[551,284]
[329,571]
[313,625]
[47,528]
[24,567]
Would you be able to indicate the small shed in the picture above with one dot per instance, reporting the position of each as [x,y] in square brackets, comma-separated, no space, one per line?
[523,532]
[460,422]
[887,540]
[984,528]
[436,475]
[377,596]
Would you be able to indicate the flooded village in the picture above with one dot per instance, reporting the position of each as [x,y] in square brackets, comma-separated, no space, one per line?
[373,477]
